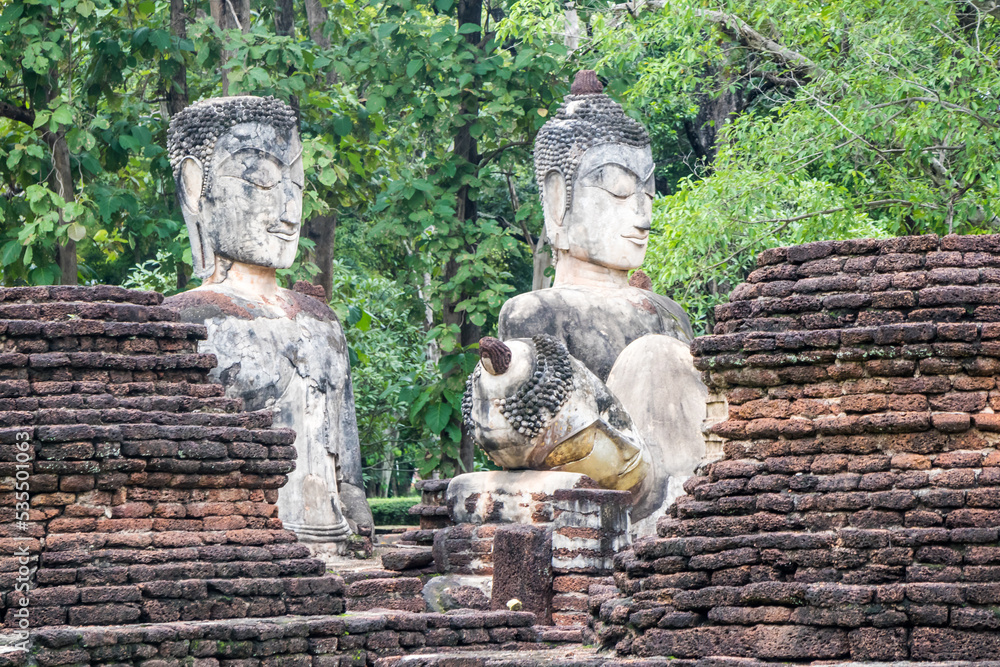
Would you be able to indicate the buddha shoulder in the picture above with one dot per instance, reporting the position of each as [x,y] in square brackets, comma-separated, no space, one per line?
[550,310]
[215,301]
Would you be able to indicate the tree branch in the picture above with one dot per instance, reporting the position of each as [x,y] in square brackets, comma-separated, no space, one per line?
[937,100]
[494,154]
[878,203]
[991,7]
[741,31]
[14,112]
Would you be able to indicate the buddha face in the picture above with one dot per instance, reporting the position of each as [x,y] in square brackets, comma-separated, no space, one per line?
[587,432]
[608,219]
[251,210]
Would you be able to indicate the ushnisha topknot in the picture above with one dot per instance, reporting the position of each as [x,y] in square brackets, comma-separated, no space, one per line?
[586,118]
[194,131]
[530,409]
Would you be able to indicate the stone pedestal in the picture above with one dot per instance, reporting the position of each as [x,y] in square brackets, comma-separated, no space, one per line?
[586,525]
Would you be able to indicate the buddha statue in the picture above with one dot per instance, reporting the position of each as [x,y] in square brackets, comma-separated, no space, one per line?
[237,162]
[635,405]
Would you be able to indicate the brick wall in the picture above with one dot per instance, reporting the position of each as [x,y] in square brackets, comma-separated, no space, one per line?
[152,496]
[855,513]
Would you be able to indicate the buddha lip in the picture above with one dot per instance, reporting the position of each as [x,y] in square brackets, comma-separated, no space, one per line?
[637,239]
[284,236]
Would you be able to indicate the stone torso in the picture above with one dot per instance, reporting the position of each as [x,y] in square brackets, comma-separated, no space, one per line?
[595,323]
[290,357]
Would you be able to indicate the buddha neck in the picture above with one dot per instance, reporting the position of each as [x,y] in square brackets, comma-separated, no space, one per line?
[252,282]
[572,271]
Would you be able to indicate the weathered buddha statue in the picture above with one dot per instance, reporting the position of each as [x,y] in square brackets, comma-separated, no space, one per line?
[237,162]
[635,405]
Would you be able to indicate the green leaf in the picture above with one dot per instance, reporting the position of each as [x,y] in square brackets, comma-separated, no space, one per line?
[63,115]
[419,404]
[413,67]
[454,399]
[11,13]
[76,231]
[443,5]
[386,29]
[437,417]
[10,252]
[342,126]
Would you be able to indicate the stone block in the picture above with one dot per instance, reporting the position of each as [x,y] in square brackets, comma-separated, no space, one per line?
[522,569]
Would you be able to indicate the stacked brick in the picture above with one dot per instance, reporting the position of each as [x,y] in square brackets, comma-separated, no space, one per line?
[586,527]
[432,508]
[855,514]
[152,496]
[385,589]
[323,641]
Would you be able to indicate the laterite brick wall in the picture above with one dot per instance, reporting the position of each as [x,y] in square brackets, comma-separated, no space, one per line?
[855,515]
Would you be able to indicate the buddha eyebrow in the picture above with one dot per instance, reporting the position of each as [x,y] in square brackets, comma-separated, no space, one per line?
[264,154]
[623,167]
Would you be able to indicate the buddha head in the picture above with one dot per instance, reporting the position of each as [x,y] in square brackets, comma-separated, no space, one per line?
[531,406]
[237,163]
[594,169]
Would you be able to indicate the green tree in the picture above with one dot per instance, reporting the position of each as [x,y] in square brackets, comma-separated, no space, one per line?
[792,122]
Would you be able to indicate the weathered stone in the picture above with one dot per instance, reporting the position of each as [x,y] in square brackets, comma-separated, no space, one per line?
[276,348]
[522,569]
[632,417]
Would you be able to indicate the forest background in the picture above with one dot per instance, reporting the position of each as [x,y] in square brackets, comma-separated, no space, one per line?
[774,122]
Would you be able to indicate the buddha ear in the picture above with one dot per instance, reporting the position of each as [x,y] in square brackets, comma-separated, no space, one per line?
[554,208]
[189,184]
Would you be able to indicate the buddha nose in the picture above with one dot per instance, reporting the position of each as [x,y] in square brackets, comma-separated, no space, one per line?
[629,449]
[291,212]
[642,210]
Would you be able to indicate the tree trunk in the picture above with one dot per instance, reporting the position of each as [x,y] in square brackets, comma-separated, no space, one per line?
[284,25]
[229,14]
[177,94]
[322,230]
[388,458]
[714,111]
[61,182]
[284,17]
[572,37]
[541,260]
[466,148]
[316,17]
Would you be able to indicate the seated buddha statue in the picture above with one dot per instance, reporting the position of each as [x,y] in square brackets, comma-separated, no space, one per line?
[237,162]
[628,346]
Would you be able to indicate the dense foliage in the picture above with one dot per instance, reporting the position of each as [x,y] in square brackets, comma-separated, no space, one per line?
[789,122]
[773,123]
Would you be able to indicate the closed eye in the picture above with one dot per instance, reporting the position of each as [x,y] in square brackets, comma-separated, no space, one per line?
[263,185]
[613,179]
